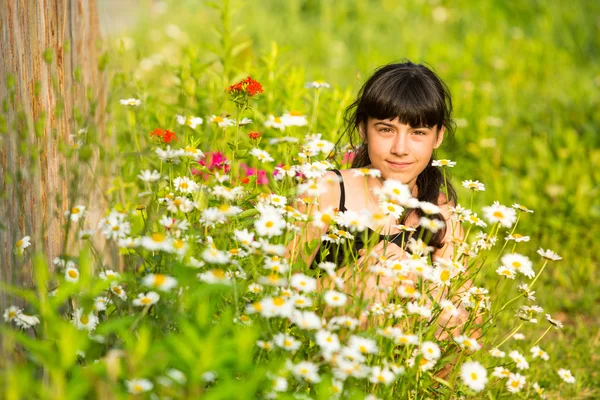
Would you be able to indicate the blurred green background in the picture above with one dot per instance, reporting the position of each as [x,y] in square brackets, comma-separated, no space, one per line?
[524,76]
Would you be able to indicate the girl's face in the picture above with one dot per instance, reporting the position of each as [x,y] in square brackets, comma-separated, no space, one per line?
[401,152]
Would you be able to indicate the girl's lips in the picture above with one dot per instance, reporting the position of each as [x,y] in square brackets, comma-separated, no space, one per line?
[398,165]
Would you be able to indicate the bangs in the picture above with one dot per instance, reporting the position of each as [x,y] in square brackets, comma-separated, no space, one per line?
[415,102]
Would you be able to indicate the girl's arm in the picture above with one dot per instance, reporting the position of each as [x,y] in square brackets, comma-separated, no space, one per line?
[328,199]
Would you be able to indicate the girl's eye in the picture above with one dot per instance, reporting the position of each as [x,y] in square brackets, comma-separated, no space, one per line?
[385,130]
[420,133]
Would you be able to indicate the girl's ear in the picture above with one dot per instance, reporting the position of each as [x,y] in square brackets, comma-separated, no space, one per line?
[440,138]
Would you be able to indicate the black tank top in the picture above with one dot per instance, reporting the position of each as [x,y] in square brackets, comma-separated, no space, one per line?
[359,237]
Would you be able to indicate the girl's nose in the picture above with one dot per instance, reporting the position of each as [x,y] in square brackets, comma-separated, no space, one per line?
[400,146]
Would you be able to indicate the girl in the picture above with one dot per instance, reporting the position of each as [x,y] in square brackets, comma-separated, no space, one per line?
[401,115]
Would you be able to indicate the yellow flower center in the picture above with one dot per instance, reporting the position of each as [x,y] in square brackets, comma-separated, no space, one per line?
[380,378]
[12,314]
[72,273]
[473,376]
[184,185]
[218,273]
[158,237]
[278,301]
[84,319]
[277,120]
[295,113]
[218,119]
[75,210]
[515,384]
[362,349]
[498,214]
[257,306]
[178,244]
[145,300]
[269,224]
[19,243]
[159,279]
[445,275]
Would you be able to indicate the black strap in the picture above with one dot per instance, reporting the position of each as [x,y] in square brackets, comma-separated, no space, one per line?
[342,206]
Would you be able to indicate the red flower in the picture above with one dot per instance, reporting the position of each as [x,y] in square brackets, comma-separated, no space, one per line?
[245,180]
[163,135]
[254,135]
[248,86]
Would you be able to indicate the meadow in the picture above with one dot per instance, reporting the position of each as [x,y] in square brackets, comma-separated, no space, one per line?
[182,289]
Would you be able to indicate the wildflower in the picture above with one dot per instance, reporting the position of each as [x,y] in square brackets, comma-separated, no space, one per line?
[303,283]
[328,341]
[506,271]
[521,208]
[100,303]
[190,121]
[169,155]
[317,85]
[24,321]
[286,342]
[557,324]
[372,172]
[137,386]
[75,213]
[305,370]
[11,313]
[254,135]
[352,220]
[194,153]
[536,352]
[443,163]
[475,186]
[130,102]
[185,184]
[518,262]
[499,213]
[335,299]
[109,274]
[146,299]
[244,121]
[247,87]
[467,343]
[515,382]
[381,375]
[519,360]
[517,237]
[22,244]
[275,122]
[163,135]
[430,350]
[475,220]
[566,375]
[528,293]
[72,274]
[83,321]
[294,118]
[114,226]
[433,225]
[363,345]
[474,375]
[264,345]
[501,372]
[549,254]
[539,390]
[518,336]
[118,291]
[270,222]
[222,122]
[261,155]
[497,353]
[159,281]
[156,242]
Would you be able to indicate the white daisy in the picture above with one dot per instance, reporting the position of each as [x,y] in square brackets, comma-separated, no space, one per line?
[515,382]
[274,122]
[294,118]
[84,321]
[149,176]
[131,102]
[22,244]
[137,386]
[566,375]
[160,282]
[11,313]
[475,186]
[474,375]
[146,299]
[303,283]
[498,213]
[75,213]
[443,163]
[335,299]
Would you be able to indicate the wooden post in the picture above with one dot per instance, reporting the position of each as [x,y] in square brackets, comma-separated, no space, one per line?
[49,77]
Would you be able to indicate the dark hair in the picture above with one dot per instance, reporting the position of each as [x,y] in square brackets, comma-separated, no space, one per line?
[418,97]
